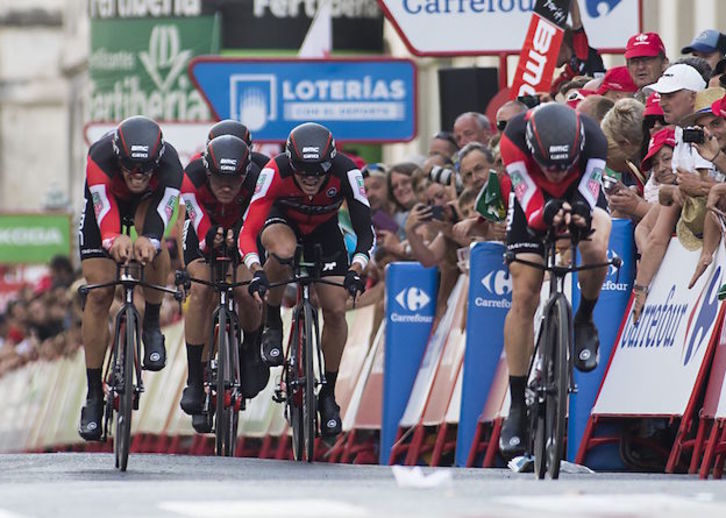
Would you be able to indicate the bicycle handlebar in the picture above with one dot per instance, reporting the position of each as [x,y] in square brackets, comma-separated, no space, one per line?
[510,258]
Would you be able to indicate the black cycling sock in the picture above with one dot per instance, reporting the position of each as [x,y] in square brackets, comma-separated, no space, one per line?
[95,386]
[194,362]
[151,316]
[273,317]
[329,387]
[517,385]
[249,339]
[584,311]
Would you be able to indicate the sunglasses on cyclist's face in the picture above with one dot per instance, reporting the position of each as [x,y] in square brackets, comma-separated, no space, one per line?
[315,170]
[135,167]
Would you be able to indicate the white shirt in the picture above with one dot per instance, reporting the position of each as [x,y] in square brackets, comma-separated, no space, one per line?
[687,158]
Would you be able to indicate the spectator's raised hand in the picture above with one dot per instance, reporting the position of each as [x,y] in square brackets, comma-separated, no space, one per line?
[710,148]
[715,195]
[419,215]
[688,183]
[624,200]
[497,231]
[670,194]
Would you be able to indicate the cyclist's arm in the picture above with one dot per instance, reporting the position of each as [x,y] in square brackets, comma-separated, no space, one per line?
[360,216]
[254,218]
[195,211]
[104,203]
[164,198]
[593,156]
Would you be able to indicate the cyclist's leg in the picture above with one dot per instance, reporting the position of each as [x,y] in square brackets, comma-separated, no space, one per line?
[255,373]
[593,250]
[155,273]
[279,241]
[519,326]
[196,332]
[97,268]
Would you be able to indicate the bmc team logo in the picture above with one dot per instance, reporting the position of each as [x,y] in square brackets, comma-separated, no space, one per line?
[597,8]
[253,99]
[697,330]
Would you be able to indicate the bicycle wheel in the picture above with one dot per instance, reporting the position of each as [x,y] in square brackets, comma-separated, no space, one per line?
[221,429]
[127,350]
[309,406]
[550,438]
[294,374]
[234,384]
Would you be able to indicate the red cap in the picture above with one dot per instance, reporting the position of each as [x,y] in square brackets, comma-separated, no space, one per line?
[719,107]
[652,105]
[619,80]
[578,96]
[665,137]
[646,44]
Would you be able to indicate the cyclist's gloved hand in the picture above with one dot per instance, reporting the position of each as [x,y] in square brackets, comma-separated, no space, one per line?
[259,284]
[353,283]
[582,209]
[551,208]
[214,233]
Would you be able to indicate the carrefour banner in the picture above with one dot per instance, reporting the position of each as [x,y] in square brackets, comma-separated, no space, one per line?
[34,238]
[139,67]
[411,292]
[658,360]
[490,297]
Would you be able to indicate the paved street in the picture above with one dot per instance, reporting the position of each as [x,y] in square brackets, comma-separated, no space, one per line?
[87,485]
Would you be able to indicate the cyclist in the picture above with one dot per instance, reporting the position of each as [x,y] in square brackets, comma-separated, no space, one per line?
[555,158]
[132,175]
[239,130]
[296,201]
[216,190]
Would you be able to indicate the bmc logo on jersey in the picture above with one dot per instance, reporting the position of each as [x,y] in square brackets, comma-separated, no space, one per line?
[413,298]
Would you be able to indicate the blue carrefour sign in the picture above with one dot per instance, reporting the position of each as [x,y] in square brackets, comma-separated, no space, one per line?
[358,99]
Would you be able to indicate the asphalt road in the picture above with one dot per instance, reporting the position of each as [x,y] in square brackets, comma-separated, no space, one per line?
[87,485]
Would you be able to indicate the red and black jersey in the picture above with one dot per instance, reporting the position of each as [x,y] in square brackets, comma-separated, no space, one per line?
[276,186]
[204,210]
[107,187]
[529,184]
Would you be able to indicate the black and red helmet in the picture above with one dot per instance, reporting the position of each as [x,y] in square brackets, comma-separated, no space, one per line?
[226,156]
[311,149]
[230,127]
[555,136]
[138,144]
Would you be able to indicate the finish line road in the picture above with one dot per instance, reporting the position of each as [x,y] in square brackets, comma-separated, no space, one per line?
[87,485]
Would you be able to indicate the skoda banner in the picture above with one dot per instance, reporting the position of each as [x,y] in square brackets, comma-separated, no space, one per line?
[411,292]
[490,297]
[139,67]
[34,238]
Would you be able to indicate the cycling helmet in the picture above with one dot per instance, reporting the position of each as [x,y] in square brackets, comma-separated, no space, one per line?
[555,136]
[230,127]
[226,156]
[138,144]
[311,149]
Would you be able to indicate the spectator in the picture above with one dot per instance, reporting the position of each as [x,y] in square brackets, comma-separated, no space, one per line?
[443,143]
[61,271]
[653,121]
[700,64]
[505,112]
[622,126]
[709,45]
[717,75]
[617,84]
[595,106]
[645,58]
[475,163]
[571,87]
[472,127]
[376,186]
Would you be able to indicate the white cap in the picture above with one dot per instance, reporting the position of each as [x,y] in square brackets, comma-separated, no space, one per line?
[677,77]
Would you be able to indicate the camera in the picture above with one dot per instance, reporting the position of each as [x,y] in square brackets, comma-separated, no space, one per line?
[442,175]
[530,101]
[609,183]
[694,135]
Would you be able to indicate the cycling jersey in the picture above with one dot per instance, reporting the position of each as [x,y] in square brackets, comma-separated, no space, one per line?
[276,187]
[529,184]
[108,192]
[203,208]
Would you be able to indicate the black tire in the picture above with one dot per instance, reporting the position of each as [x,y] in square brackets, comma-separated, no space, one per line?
[552,408]
[309,406]
[234,381]
[539,406]
[293,399]
[127,351]
[221,428]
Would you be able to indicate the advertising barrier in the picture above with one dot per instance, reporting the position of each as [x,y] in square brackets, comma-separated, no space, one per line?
[610,308]
[34,238]
[490,297]
[411,292]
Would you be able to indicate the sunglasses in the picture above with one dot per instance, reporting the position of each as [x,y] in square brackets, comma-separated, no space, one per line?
[135,167]
[315,170]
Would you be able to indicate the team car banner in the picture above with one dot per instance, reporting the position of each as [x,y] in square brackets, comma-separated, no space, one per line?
[363,99]
[658,361]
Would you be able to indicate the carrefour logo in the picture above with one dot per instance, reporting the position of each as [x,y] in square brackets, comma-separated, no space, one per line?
[497,283]
[705,319]
[658,324]
[412,299]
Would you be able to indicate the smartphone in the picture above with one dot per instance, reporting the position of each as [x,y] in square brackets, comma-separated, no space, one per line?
[437,212]
[694,135]
[382,221]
